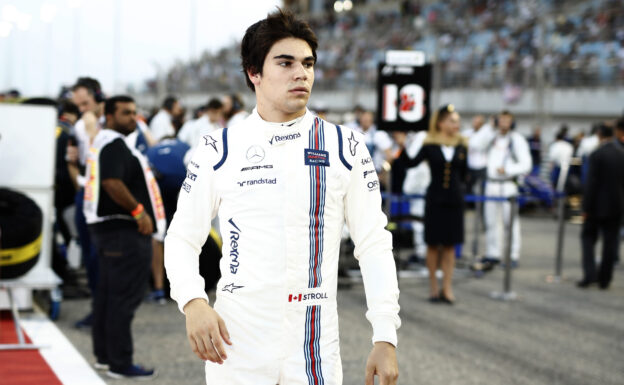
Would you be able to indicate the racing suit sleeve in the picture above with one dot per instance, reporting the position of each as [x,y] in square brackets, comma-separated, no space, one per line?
[189,229]
[373,247]
[523,162]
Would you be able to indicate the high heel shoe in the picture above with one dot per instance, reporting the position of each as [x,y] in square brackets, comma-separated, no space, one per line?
[434,300]
[445,299]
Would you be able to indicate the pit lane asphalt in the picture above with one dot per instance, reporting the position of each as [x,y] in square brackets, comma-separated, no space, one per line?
[553,333]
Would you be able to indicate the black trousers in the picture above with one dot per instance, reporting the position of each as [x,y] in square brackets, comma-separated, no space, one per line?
[124,261]
[610,229]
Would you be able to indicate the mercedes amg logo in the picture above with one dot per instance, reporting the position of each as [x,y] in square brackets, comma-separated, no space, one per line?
[255,154]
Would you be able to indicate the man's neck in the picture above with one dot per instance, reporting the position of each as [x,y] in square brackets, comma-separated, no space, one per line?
[279,116]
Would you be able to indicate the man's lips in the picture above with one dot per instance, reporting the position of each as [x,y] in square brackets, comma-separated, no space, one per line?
[299,90]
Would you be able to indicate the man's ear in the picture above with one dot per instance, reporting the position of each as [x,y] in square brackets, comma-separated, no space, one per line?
[254,76]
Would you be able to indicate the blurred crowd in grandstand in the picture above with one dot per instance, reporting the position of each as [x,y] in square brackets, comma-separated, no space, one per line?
[478,43]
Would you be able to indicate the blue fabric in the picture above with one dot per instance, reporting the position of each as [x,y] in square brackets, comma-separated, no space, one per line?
[167,159]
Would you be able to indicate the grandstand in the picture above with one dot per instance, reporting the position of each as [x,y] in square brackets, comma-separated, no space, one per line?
[474,44]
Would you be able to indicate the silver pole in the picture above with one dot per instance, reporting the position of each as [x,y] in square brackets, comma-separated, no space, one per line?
[563,176]
[18,329]
[513,204]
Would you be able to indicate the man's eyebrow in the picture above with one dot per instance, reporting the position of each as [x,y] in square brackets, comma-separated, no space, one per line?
[290,57]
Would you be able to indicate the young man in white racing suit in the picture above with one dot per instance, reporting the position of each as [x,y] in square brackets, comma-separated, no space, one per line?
[508,158]
[283,182]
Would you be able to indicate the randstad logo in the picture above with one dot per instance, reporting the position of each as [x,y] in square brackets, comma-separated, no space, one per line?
[306,297]
[277,139]
[234,237]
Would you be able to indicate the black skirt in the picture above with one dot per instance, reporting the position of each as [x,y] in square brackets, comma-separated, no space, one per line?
[444,224]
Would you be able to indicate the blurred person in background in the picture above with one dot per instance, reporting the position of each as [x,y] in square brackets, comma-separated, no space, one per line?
[283,213]
[603,207]
[167,162]
[379,143]
[124,209]
[233,110]
[65,190]
[477,158]
[193,131]
[508,158]
[358,110]
[588,145]
[416,182]
[87,95]
[619,131]
[559,153]
[535,145]
[446,152]
[161,124]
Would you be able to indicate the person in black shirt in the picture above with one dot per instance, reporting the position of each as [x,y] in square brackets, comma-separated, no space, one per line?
[446,151]
[121,221]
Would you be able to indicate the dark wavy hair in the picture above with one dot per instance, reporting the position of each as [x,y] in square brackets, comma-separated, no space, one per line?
[260,37]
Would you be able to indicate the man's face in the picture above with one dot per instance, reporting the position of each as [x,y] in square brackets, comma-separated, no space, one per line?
[366,121]
[84,100]
[124,118]
[214,115]
[477,122]
[283,88]
[227,104]
[504,123]
[176,109]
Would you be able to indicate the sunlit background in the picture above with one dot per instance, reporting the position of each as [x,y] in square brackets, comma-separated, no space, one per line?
[48,43]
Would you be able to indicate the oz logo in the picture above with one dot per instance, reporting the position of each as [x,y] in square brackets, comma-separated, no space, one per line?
[407,103]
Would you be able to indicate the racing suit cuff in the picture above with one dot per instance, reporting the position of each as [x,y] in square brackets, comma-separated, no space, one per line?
[185,299]
[384,330]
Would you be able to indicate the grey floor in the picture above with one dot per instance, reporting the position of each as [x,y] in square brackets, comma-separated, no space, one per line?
[553,333]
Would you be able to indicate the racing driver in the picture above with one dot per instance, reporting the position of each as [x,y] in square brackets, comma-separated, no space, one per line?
[282,182]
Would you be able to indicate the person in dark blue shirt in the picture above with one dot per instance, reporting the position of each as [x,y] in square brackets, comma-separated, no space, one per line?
[167,162]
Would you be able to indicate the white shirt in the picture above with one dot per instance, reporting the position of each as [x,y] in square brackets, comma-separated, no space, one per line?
[560,152]
[237,118]
[477,158]
[588,145]
[82,137]
[448,152]
[510,152]
[378,142]
[417,178]
[161,125]
[193,130]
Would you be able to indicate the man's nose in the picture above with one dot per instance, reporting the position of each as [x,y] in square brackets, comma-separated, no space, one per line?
[300,72]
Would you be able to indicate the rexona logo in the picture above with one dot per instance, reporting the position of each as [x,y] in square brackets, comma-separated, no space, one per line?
[306,297]
[254,182]
[277,139]
[234,237]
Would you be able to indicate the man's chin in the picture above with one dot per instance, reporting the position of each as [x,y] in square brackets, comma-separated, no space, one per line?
[298,104]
